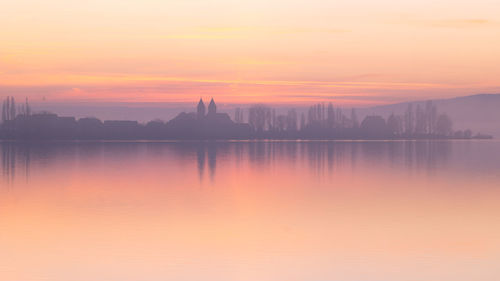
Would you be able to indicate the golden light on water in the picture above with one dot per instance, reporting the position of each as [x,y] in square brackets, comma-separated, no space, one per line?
[250,211]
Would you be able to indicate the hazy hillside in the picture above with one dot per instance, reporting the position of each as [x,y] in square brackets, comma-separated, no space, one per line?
[480,113]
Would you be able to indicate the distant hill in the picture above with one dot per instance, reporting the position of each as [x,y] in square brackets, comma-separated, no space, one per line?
[480,113]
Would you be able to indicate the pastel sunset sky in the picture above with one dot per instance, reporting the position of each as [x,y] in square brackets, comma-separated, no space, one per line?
[355,52]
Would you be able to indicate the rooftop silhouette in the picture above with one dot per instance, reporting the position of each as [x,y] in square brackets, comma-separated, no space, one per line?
[319,122]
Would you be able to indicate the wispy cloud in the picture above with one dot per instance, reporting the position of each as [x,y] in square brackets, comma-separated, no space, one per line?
[448,23]
[460,23]
[269,29]
[180,89]
[226,32]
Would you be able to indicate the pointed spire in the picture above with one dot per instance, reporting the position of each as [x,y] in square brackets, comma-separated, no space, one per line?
[201,109]
[212,108]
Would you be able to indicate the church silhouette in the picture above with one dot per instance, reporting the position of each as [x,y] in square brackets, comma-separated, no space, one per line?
[206,123]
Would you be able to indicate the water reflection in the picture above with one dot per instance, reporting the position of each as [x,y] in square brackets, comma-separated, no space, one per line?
[281,211]
[206,153]
[9,162]
[201,161]
[15,156]
[319,158]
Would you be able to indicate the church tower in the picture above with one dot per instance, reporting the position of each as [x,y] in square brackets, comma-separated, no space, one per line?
[212,108]
[201,110]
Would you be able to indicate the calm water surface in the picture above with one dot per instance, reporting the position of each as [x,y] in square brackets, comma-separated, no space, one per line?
[277,211]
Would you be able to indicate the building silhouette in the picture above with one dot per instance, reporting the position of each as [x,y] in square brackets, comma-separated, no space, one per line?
[212,108]
[263,123]
[211,125]
[201,110]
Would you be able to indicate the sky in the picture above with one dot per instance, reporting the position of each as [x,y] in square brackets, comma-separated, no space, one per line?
[350,52]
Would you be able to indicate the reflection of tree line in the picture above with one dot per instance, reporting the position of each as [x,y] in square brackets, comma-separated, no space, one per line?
[326,157]
[15,156]
[8,162]
[320,157]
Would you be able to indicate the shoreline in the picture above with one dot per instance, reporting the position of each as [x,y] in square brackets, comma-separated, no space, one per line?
[236,140]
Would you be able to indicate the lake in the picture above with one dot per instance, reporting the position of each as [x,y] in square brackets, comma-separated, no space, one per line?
[266,211]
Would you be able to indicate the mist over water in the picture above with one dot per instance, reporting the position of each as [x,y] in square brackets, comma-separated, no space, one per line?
[325,210]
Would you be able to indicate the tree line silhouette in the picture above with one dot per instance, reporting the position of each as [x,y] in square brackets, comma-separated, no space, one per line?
[328,122]
[262,122]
